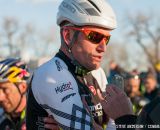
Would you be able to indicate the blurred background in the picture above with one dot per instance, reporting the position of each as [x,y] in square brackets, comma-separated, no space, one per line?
[28,30]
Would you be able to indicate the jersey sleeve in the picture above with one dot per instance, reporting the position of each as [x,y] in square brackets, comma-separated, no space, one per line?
[56,91]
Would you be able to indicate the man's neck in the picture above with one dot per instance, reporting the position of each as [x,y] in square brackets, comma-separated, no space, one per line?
[75,68]
[65,51]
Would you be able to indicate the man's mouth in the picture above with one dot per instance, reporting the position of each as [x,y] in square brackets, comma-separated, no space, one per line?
[97,58]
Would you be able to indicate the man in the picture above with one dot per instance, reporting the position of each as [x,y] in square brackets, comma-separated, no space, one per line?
[150,116]
[13,86]
[114,69]
[67,86]
[151,86]
[137,99]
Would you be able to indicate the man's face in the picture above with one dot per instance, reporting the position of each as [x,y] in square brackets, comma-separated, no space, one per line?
[135,84]
[150,84]
[9,96]
[89,54]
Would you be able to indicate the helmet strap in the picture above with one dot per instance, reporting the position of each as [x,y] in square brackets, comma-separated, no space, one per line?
[73,60]
[69,49]
[73,41]
[21,94]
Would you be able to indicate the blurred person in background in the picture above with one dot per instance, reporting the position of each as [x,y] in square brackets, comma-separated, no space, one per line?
[133,91]
[134,83]
[114,69]
[151,86]
[150,115]
[13,87]
[14,75]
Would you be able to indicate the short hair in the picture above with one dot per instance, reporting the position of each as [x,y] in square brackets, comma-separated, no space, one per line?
[151,75]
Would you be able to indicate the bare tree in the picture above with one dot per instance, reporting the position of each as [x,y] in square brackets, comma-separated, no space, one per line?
[47,43]
[146,32]
[23,40]
[119,53]
[9,29]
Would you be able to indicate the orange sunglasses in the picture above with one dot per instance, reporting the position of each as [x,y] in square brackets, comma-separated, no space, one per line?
[92,36]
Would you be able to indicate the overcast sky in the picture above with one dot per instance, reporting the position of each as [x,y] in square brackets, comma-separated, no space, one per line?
[42,13]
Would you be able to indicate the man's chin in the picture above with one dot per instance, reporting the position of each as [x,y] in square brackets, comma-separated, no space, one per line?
[7,110]
[94,67]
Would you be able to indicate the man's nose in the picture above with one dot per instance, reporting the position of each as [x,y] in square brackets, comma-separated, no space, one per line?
[102,46]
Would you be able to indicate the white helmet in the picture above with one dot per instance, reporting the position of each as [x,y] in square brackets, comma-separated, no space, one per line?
[87,12]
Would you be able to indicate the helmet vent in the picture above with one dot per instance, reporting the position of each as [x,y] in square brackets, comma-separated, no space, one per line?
[88,9]
[79,9]
[94,5]
[92,11]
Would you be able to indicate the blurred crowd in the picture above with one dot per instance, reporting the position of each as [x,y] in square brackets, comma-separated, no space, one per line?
[140,87]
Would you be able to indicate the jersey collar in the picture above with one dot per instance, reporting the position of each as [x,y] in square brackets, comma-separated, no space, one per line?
[76,69]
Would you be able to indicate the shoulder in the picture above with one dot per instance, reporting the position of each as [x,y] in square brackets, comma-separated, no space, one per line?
[55,65]
[50,72]
[150,113]
[53,81]
[153,105]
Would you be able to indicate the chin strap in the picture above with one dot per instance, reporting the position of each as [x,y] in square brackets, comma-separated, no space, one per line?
[80,70]
[74,61]
[76,33]
[21,94]
[69,48]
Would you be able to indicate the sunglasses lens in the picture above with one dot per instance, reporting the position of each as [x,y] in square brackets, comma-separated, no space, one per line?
[96,37]
[107,39]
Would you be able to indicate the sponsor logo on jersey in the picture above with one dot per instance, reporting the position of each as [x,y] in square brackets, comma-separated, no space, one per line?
[64,87]
[68,96]
[40,123]
[96,110]
[59,67]
[93,90]
[23,127]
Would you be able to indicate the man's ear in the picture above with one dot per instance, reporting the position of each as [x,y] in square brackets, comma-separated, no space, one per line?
[22,87]
[67,36]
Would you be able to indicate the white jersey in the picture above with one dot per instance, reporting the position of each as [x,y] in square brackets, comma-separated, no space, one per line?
[56,90]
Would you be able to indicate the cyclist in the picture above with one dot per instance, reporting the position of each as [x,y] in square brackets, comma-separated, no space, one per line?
[66,87]
[13,86]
